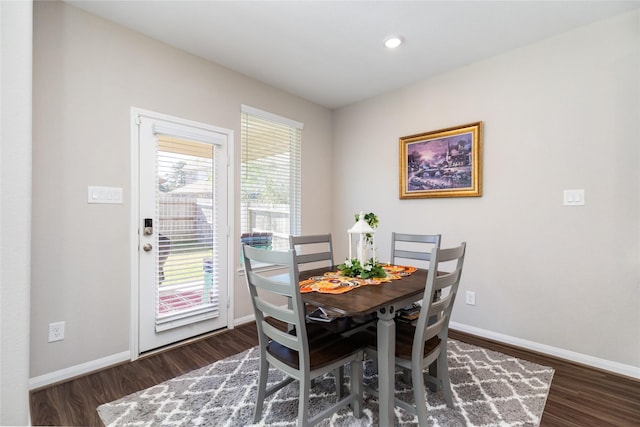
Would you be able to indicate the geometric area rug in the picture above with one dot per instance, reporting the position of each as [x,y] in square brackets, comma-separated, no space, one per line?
[489,389]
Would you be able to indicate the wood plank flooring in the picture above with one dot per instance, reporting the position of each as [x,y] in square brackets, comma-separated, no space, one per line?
[579,396]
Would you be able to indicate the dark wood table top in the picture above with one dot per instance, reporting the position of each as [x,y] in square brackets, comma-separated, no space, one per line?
[367,299]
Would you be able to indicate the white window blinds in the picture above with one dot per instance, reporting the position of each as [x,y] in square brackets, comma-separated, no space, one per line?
[187,261]
[270,178]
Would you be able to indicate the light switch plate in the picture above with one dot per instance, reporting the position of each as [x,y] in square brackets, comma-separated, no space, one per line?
[104,195]
[573,197]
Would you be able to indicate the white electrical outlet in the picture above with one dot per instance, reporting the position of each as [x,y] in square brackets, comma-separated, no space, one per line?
[471,298]
[56,331]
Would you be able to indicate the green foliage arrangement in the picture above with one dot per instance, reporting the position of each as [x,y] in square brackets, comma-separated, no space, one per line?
[370,218]
[370,269]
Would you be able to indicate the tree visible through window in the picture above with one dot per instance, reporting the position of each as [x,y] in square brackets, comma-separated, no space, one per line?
[269,178]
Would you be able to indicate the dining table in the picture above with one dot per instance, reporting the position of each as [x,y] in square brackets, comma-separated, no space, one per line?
[383,299]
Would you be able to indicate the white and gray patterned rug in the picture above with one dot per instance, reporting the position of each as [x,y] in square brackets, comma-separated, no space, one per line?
[489,389]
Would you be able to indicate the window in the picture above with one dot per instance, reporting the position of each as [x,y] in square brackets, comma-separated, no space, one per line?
[269,178]
[188,249]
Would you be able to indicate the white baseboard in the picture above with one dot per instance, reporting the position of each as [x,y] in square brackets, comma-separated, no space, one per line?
[607,365]
[245,319]
[95,365]
[75,371]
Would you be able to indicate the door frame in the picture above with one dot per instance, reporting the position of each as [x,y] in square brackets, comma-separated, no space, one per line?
[134,345]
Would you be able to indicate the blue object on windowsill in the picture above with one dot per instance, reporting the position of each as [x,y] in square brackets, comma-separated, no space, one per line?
[257,239]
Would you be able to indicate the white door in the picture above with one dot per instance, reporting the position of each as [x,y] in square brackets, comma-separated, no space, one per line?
[183,243]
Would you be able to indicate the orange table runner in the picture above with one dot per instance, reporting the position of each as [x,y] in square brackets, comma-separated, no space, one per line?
[334,282]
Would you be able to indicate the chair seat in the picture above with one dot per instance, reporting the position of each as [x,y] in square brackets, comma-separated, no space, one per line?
[404,340]
[323,350]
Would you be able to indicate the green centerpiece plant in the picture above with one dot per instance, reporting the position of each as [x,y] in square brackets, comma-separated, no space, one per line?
[370,269]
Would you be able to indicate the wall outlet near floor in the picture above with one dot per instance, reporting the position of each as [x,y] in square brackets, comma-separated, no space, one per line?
[56,331]
[471,298]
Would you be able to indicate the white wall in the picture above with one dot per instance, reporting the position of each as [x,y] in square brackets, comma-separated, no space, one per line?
[87,74]
[16,20]
[559,114]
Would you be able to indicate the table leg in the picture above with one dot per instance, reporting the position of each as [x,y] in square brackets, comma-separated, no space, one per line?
[386,365]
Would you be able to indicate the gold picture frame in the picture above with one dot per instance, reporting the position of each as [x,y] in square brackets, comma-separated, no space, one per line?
[442,163]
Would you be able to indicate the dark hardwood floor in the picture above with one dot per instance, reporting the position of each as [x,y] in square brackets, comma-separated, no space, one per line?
[579,396]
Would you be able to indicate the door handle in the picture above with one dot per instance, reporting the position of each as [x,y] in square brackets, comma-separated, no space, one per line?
[147,247]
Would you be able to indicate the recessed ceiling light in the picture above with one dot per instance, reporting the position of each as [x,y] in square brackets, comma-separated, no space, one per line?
[393,42]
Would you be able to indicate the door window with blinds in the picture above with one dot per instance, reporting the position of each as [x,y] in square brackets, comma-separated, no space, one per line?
[270,178]
[186,256]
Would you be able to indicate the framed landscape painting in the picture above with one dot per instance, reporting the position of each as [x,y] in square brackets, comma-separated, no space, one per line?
[442,163]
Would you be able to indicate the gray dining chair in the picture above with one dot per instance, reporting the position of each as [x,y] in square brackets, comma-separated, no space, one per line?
[413,246]
[419,345]
[289,349]
[312,251]
[416,249]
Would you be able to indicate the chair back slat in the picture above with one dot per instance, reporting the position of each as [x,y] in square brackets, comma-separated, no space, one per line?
[434,329]
[320,244]
[433,239]
[278,312]
[445,280]
[450,254]
[270,284]
[422,256]
[439,305]
[320,256]
[413,246]
[286,339]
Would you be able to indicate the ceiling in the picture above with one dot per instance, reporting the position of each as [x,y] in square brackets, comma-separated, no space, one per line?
[332,53]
